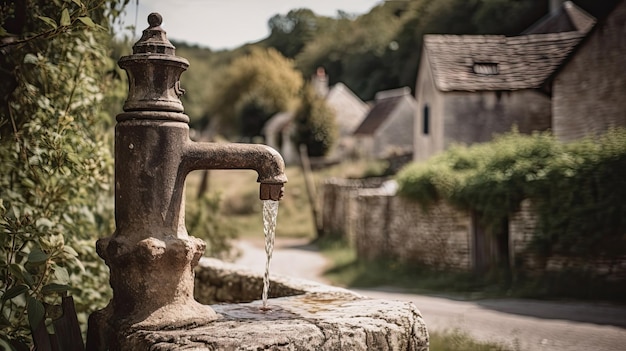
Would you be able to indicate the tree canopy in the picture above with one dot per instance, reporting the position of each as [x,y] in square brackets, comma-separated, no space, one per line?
[253,88]
[376,51]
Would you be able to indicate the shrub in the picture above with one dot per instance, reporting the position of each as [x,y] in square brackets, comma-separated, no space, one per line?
[56,162]
[315,124]
[577,188]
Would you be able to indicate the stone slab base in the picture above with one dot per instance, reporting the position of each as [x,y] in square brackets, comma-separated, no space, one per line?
[318,318]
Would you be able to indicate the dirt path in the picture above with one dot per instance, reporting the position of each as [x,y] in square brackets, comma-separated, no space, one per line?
[523,325]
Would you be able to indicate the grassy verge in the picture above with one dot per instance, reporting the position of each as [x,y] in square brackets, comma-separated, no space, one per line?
[459,341]
[346,270]
[241,208]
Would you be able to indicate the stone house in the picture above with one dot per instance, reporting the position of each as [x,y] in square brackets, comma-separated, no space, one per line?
[564,74]
[349,112]
[471,87]
[388,127]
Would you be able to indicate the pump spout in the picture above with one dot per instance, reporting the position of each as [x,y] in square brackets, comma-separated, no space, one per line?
[266,161]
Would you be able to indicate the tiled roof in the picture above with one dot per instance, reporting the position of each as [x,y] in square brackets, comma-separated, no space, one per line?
[349,108]
[496,62]
[568,18]
[386,102]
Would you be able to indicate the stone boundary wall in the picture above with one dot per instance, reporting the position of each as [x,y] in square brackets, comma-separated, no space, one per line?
[389,226]
[337,204]
[522,226]
[380,225]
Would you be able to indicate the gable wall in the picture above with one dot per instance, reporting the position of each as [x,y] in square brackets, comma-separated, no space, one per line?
[590,92]
[474,117]
[426,146]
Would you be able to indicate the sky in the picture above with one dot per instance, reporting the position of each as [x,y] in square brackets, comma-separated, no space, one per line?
[227,24]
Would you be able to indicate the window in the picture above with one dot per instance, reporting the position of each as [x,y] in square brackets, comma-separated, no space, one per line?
[486,68]
[426,120]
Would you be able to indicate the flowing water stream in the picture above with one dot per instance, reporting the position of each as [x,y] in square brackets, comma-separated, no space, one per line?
[270,212]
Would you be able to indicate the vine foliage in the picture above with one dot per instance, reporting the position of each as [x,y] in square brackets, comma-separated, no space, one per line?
[55,157]
[577,189]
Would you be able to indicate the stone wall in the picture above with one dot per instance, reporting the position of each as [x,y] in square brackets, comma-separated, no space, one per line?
[337,205]
[393,227]
[588,93]
[381,225]
[522,227]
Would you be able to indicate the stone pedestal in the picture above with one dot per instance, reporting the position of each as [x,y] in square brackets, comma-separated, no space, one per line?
[309,316]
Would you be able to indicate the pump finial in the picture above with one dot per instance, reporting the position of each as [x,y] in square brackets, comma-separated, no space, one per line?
[155,19]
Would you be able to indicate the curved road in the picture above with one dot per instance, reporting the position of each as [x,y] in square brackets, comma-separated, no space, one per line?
[524,325]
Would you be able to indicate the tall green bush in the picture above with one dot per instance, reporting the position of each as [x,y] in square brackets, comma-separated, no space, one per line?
[315,124]
[55,156]
[577,189]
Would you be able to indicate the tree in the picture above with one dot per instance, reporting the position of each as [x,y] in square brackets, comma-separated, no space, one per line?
[354,48]
[290,33]
[55,157]
[253,88]
[315,124]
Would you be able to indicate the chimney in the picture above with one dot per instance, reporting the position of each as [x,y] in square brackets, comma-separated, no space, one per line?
[555,6]
[320,82]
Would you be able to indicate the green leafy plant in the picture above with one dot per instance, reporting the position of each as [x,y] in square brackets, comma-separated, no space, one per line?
[315,124]
[55,154]
[205,221]
[577,189]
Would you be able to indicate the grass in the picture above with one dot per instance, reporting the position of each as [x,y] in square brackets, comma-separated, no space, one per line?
[241,207]
[459,341]
[346,270]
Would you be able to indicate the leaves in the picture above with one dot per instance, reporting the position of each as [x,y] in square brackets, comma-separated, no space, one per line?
[55,157]
[87,21]
[36,312]
[14,292]
[54,287]
[37,256]
[49,21]
[65,18]
[576,188]
[315,124]
[253,88]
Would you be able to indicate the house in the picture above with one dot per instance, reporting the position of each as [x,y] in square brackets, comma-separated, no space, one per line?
[471,87]
[564,74]
[349,112]
[388,127]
